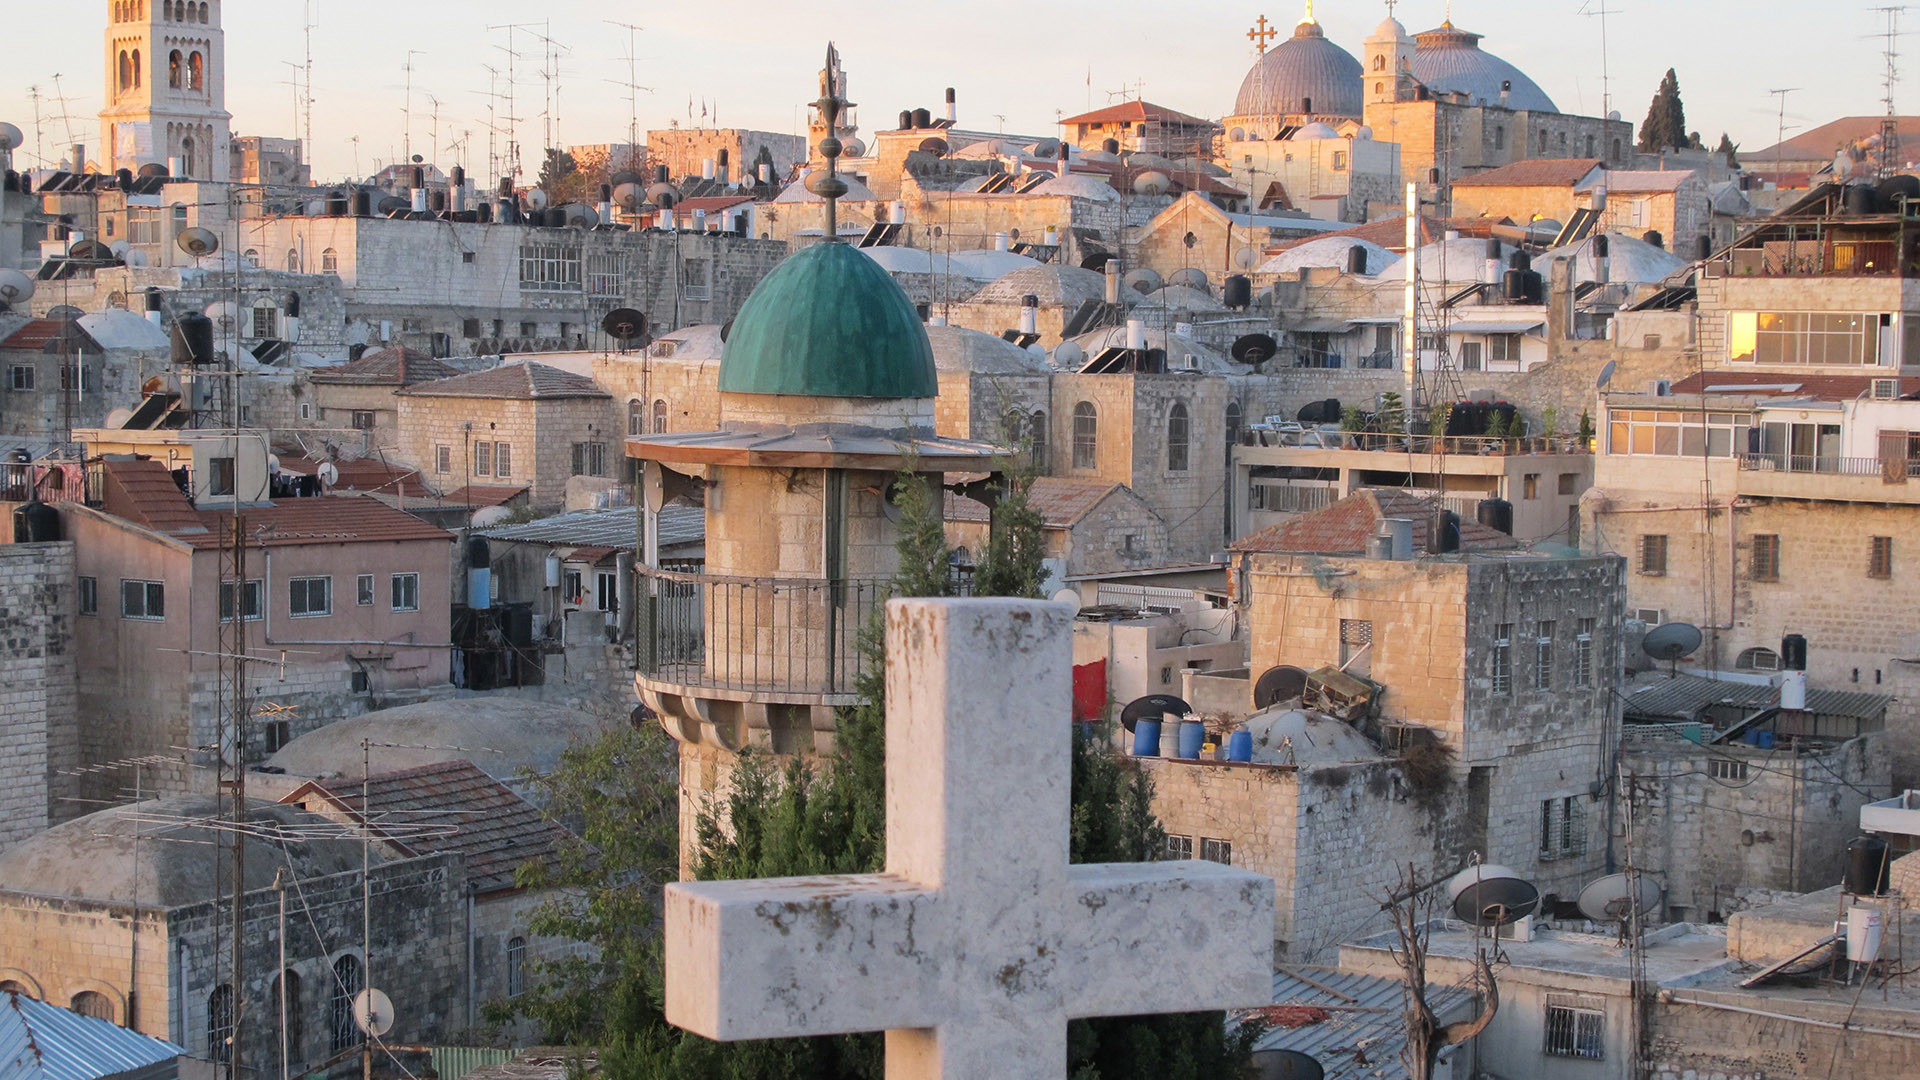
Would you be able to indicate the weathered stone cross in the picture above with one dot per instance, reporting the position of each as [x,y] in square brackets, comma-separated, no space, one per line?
[979,941]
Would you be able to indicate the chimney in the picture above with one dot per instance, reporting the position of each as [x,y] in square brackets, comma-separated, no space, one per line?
[1113,281]
[1137,335]
[1030,314]
[79,157]
[952,115]
[457,190]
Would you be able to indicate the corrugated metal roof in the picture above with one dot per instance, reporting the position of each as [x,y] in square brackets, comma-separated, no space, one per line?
[616,529]
[1683,696]
[1354,1025]
[39,1041]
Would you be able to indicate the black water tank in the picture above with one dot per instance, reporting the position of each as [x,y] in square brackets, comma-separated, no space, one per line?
[35,523]
[1513,286]
[1306,105]
[483,213]
[1238,292]
[153,300]
[1600,246]
[1895,190]
[1520,260]
[1793,652]
[1705,247]
[1495,514]
[1111,146]
[662,175]
[337,204]
[478,556]
[292,306]
[1858,200]
[362,203]
[1443,532]
[1868,863]
[1653,237]
[922,118]
[125,177]
[192,340]
[1357,260]
[356,350]
[436,200]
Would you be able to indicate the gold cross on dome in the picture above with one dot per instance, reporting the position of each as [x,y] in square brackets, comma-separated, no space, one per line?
[1262,33]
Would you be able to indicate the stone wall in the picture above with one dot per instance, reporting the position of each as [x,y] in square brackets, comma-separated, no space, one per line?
[39,736]
[540,433]
[1698,1042]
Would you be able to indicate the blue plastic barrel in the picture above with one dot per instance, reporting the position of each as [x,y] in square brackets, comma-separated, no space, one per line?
[1193,735]
[1240,746]
[1146,738]
[1763,740]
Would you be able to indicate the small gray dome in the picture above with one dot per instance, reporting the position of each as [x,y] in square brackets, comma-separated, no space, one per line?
[1448,59]
[1304,67]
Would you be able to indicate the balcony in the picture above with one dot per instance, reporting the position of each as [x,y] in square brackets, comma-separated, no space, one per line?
[1808,476]
[793,641]
[1321,438]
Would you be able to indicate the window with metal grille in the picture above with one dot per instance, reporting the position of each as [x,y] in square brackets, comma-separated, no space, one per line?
[308,597]
[606,274]
[589,459]
[1758,658]
[1576,1027]
[405,592]
[1356,639]
[1503,659]
[1880,557]
[482,458]
[253,600]
[636,417]
[143,599]
[1563,828]
[1086,435]
[548,267]
[220,1024]
[697,284]
[143,225]
[1543,657]
[1765,563]
[20,377]
[330,262]
[516,966]
[1726,769]
[1653,554]
[1220,851]
[659,417]
[1179,430]
[342,1032]
[1037,435]
[1583,654]
[443,459]
[93,1003]
[1179,847]
[266,320]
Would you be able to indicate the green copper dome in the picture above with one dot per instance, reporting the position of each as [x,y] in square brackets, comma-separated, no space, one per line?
[828,322]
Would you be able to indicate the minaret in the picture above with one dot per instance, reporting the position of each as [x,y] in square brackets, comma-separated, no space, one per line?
[165,89]
[1389,63]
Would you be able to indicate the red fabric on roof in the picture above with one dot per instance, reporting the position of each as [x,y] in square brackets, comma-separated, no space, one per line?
[143,492]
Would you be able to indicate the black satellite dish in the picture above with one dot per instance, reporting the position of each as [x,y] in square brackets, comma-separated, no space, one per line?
[1254,349]
[1487,895]
[1671,641]
[936,147]
[389,204]
[64,311]
[624,324]
[1605,376]
[1283,683]
[1285,1065]
[726,328]
[1152,707]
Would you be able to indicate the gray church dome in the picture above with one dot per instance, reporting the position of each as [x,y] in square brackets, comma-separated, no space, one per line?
[1305,67]
[1450,59]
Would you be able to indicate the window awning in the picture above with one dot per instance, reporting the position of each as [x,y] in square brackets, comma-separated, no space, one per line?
[1495,327]
[1321,326]
[1378,320]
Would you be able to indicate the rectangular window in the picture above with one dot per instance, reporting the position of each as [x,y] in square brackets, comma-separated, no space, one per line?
[1530,486]
[502,460]
[362,420]
[1220,851]
[1673,433]
[253,600]
[1503,659]
[1576,1027]
[406,592]
[278,733]
[1356,646]
[20,377]
[483,459]
[220,478]
[443,459]
[1765,564]
[266,320]
[1726,769]
[1880,558]
[528,329]
[697,282]
[589,459]
[1503,348]
[1846,338]
[1653,554]
[89,596]
[1543,657]
[143,224]
[1567,482]
[1472,356]
[1563,828]
[572,590]
[606,595]
[607,275]
[1179,847]
[1583,654]
[143,599]
[310,596]
[470,329]
[363,590]
[87,381]
[548,267]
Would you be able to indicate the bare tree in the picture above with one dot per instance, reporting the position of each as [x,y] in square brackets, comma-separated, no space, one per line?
[1412,906]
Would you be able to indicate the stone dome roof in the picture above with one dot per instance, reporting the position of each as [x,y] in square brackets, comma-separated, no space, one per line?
[828,322]
[1328,251]
[1449,59]
[1315,130]
[501,736]
[1305,66]
[1629,259]
[959,350]
[1054,284]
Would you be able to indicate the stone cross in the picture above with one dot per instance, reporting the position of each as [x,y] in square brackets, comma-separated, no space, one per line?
[980,941]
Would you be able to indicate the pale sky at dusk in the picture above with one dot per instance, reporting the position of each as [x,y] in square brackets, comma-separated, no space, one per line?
[1027,59]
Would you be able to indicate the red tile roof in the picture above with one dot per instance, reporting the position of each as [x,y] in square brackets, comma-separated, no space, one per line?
[1815,387]
[525,381]
[478,495]
[360,474]
[1820,143]
[143,492]
[1343,528]
[394,366]
[1134,112]
[493,830]
[1060,502]
[1535,172]
[45,335]
[1388,232]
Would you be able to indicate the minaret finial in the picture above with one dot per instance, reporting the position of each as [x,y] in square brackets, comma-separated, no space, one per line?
[830,187]
[1310,18]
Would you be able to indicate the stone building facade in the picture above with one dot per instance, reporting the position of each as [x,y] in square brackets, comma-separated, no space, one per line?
[520,424]
[39,734]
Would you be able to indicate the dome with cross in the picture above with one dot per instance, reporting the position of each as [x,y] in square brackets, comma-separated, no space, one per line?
[1306,74]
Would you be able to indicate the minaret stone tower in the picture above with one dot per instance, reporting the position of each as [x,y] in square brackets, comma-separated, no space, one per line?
[166,67]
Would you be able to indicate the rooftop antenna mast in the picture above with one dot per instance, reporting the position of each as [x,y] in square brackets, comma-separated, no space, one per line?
[406,137]
[632,84]
[307,93]
[65,116]
[1597,9]
[1890,162]
[1780,133]
[511,165]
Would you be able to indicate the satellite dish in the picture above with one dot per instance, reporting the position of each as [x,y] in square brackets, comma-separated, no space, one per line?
[1611,898]
[1142,280]
[1191,278]
[580,216]
[624,324]
[1254,349]
[10,137]
[936,147]
[273,463]
[662,195]
[15,286]
[1283,683]
[1152,182]
[1671,641]
[1489,895]
[629,196]
[391,204]
[1285,1065]
[1069,354]
[198,242]
[1246,258]
[726,330]
[537,199]
[1606,376]
[135,258]
[1152,707]
[328,472]
[626,176]
[120,248]
[117,418]
[1068,596]
[373,1012]
[855,148]
[90,250]
[65,311]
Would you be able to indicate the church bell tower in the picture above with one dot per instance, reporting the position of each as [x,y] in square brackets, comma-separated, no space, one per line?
[165,87]
[1389,63]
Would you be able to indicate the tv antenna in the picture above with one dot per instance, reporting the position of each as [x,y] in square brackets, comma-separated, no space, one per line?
[406,111]
[1597,9]
[632,84]
[1890,162]
[1780,134]
[510,163]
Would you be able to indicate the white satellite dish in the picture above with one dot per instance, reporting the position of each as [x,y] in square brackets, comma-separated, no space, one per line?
[10,137]
[120,249]
[1068,596]
[273,463]
[118,418]
[1069,354]
[15,286]
[537,199]
[328,472]
[135,258]
[1246,258]
[373,1012]
[198,242]
[1611,898]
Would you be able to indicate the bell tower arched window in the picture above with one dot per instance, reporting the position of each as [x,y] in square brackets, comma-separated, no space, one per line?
[196,72]
[1179,438]
[174,63]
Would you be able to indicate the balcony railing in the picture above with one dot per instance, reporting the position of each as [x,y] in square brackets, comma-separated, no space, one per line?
[1893,470]
[772,637]
[1464,445]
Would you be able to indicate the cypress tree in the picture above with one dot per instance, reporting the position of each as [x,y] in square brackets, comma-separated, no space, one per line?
[1666,124]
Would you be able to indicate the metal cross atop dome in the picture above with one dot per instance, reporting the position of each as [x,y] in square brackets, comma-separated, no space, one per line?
[830,187]
[1262,33]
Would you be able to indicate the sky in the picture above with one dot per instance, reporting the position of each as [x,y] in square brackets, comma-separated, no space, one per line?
[1018,65]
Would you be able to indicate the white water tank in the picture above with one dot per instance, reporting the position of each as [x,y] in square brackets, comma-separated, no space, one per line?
[1866,927]
[553,571]
[1793,689]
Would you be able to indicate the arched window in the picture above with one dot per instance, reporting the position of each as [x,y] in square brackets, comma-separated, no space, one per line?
[1757,659]
[126,73]
[252,255]
[179,216]
[329,261]
[1086,435]
[11,986]
[220,1024]
[342,1033]
[166,10]
[636,417]
[197,74]
[295,1012]
[516,966]
[136,69]
[94,1004]
[1379,63]
[1543,142]
[1234,416]
[266,319]
[1037,439]
[660,416]
[174,60]
[186,156]
[203,13]
[293,260]
[1179,432]
[1589,146]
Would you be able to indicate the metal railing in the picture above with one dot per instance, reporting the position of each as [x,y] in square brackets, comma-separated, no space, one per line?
[1460,445]
[755,635]
[1894,470]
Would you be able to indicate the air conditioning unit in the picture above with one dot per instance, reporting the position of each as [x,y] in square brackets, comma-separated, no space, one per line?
[1190,362]
[1661,388]
[1651,616]
[1518,930]
[1886,389]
